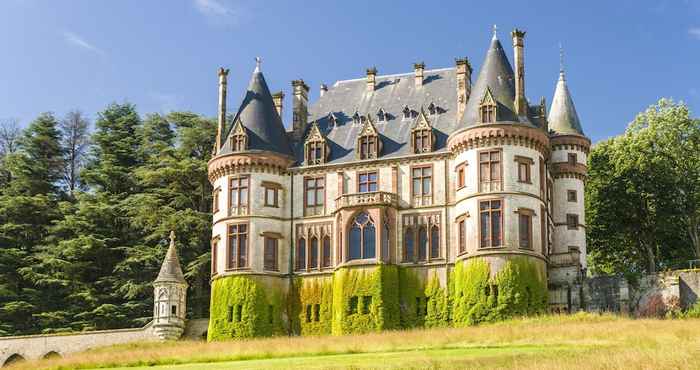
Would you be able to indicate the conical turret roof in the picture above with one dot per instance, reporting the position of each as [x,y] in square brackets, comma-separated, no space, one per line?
[496,74]
[258,115]
[170,270]
[563,118]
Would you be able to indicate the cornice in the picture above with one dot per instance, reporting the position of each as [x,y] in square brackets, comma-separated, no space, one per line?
[499,134]
[577,142]
[249,161]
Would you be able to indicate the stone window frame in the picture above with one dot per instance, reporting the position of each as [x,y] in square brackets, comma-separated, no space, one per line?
[426,140]
[315,152]
[572,221]
[316,208]
[275,188]
[571,196]
[240,208]
[490,162]
[417,221]
[214,254]
[572,158]
[230,263]
[461,222]
[490,212]
[488,109]
[524,165]
[461,170]
[368,146]
[215,199]
[369,182]
[321,231]
[377,242]
[275,239]
[528,215]
[422,200]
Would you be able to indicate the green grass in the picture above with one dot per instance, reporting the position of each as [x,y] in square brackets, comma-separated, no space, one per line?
[582,341]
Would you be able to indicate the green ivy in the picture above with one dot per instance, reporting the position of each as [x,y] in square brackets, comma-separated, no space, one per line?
[518,289]
[245,306]
[311,304]
[365,299]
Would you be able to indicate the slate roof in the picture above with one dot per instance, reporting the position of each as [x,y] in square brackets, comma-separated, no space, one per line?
[170,270]
[392,94]
[563,118]
[258,115]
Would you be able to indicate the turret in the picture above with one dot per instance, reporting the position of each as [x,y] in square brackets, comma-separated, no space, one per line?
[170,290]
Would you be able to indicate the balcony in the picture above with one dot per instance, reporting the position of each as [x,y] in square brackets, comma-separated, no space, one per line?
[369,199]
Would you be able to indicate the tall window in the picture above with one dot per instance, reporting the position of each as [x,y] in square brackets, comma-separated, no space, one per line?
[462,235]
[422,243]
[524,169]
[369,147]
[490,170]
[543,230]
[361,238]
[491,217]
[488,112]
[271,195]
[461,175]
[214,254]
[367,181]
[314,195]
[215,200]
[301,254]
[408,242]
[237,246]
[422,189]
[326,253]
[238,199]
[434,242]
[238,142]
[270,255]
[571,195]
[572,221]
[572,159]
[313,253]
[525,229]
[422,141]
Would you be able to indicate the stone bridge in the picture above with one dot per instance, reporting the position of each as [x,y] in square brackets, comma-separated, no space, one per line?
[33,347]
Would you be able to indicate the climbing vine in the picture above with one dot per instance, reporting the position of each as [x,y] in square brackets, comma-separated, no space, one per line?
[311,302]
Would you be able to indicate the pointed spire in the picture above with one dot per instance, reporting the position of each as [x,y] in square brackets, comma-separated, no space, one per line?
[561,62]
[563,118]
[495,32]
[258,62]
[170,270]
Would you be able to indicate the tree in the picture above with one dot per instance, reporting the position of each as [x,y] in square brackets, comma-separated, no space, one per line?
[75,141]
[636,196]
[9,138]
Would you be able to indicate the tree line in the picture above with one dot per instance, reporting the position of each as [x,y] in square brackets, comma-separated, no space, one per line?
[85,214]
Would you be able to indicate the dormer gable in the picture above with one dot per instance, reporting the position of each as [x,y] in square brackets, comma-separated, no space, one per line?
[238,137]
[316,149]
[422,134]
[368,142]
[488,108]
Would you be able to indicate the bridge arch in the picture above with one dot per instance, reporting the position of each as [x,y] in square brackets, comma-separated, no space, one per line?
[13,359]
[51,355]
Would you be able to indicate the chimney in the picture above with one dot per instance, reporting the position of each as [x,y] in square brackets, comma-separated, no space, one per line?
[300,102]
[223,74]
[464,84]
[418,68]
[519,52]
[371,78]
[277,98]
[323,91]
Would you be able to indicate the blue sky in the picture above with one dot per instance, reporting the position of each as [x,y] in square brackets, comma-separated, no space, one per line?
[620,56]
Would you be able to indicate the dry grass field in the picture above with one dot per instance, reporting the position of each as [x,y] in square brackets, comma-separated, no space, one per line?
[582,341]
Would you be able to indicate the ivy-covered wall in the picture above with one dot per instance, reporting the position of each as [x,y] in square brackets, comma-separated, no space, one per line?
[311,301]
[247,306]
[365,299]
[373,298]
[519,288]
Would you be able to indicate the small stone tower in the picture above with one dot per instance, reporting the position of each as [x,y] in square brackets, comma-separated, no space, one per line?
[170,296]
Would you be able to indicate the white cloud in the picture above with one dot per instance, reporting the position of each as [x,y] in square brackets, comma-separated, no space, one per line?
[694,32]
[216,11]
[78,41]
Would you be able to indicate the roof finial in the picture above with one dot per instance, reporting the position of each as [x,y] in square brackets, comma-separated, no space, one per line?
[172,237]
[561,61]
[495,31]
[258,61]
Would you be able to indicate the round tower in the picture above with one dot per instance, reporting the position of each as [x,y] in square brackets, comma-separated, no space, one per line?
[498,164]
[170,297]
[570,149]
[251,200]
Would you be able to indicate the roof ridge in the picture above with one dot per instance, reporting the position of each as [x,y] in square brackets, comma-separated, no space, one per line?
[393,75]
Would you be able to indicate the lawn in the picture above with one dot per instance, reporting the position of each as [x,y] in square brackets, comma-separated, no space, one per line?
[583,341]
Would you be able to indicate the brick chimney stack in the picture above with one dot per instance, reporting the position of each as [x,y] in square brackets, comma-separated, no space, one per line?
[463,70]
[419,68]
[519,52]
[278,98]
[323,91]
[223,74]
[300,108]
[371,78]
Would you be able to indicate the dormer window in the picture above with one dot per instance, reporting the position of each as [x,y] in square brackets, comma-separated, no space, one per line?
[406,112]
[239,138]
[422,135]
[332,119]
[487,108]
[315,147]
[368,143]
[432,109]
[381,115]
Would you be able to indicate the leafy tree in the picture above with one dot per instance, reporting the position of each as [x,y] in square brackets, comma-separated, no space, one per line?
[75,141]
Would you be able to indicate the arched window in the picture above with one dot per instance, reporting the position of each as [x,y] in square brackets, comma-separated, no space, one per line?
[301,254]
[313,254]
[422,243]
[326,254]
[361,238]
[434,242]
[408,245]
